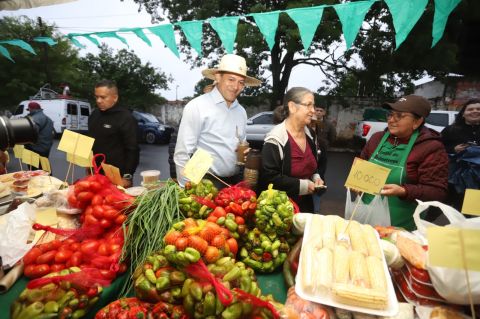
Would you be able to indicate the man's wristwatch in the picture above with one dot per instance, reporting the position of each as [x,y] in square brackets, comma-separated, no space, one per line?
[127,176]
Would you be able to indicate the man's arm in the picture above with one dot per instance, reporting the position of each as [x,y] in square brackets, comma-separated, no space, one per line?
[188,134]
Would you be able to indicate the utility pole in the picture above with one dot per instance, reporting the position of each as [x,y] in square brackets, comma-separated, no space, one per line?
[176,93]
[45,52]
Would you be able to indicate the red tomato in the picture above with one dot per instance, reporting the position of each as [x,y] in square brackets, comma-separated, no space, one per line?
[68,241]
[111,199]
[89,247]
[76,259]
[28,270]
[88,210]
[90,220]
[72,200]
[40,270]
[122,268]
[46,258]
[219,212]
[102,249]
[57,267]
[97,200]
[212,218]
[31,256]
[97,211]
[120,219]
[232,245]
[84,196]
[111,214]
[81,186]
[107,274]
[62,256]
[51,245]
[95,186]
[239,220]
[115,240]
[75,246]
[113,248]
[105,223]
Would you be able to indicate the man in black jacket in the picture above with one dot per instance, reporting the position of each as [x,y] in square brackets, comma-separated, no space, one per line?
[115,131]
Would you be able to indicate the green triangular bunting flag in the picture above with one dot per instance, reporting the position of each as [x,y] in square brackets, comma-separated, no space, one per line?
[352,14]
[267,24]
[92,39]
[5,53]
[193,32]
[443,9]
[166,33]
[139,33]
[226,28]
[405,15]
[71,37]
[307,20]
[20,43]
[46,40]
[111,34]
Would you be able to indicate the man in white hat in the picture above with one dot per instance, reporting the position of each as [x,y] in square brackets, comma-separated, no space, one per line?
[215,121]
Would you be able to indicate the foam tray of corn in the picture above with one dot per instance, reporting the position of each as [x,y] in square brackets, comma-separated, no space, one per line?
[344,267]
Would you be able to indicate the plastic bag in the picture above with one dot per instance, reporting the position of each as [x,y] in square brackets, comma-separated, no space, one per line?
[376,213]
[305,309]
[15,233]
[450,283]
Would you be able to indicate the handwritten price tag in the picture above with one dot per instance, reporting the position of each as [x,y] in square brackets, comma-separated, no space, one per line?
[198,166]
[471,202]
[367,177]
[76,144]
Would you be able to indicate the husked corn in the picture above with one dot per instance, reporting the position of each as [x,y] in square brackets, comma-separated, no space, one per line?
[309,271]
[376,273]
[359,296]
[316,230]
[324,262]
[357,239]
[358,270]
[340,264]
[371,240]
[328,231]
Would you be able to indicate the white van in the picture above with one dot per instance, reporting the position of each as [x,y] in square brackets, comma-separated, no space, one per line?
[66,112]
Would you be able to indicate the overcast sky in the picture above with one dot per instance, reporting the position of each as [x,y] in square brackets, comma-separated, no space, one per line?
[104,15]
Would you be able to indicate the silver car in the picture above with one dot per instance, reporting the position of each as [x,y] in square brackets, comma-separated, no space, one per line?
[258,126]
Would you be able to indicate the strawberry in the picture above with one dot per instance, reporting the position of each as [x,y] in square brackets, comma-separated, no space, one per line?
[211,255]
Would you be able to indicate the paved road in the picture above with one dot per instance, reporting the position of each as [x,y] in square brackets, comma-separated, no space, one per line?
[156,157]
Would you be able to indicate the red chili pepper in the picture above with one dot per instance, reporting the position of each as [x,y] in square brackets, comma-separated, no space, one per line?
[245,206]
[236,209]
[267,256]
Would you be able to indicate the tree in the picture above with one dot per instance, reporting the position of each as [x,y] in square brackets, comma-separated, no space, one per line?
[137,82]
[54,65]
[372,67]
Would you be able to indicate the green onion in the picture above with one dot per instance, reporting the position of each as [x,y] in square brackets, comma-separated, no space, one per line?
[155,213]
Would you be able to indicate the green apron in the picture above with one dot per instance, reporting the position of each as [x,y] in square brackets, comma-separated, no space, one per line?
[395,158]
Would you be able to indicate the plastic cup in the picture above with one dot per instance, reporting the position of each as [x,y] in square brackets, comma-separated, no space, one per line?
[151,176]
[242,146]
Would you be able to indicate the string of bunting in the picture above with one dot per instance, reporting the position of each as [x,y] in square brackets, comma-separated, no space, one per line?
[405,15]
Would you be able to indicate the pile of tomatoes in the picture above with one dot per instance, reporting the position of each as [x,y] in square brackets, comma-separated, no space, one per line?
[237,200]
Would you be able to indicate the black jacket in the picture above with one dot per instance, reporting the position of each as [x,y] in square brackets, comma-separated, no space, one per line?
[276,167]
[115,134]
[456,134]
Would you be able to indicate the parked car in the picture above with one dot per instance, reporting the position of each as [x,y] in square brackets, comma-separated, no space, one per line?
[374,120]
[257,127]
[150,130]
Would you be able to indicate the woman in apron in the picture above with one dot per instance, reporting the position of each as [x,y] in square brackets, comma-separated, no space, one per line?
[415,156]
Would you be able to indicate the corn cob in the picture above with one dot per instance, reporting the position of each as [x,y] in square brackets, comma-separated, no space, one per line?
[316,231]
[357,239]
[324,260]
[340,264]
[340,225]
[358,270]
[376,273]
[372,241]
[359,296]
[309,273]
[328,231]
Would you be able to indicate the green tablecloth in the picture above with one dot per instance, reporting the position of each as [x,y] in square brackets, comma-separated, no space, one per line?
[269,284]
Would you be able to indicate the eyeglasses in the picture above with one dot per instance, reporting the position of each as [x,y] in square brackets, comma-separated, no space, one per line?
[397,116]
[307,105]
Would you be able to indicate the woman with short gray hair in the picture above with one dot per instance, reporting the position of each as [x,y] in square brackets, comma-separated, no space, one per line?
[289,155]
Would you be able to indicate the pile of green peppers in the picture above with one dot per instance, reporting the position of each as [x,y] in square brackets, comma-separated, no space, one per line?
[156,280]
[187,203]
[274,213]
[63,300]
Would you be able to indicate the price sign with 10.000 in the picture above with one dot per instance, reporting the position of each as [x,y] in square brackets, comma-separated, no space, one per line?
[367,177]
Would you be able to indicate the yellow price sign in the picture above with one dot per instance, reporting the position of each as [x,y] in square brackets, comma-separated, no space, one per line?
[35,160]
[80,161]
[27,156]
[45,164]
[198,166]
[17,151]
[447,244]
[113,174]
[76,144]
[471,202]
[367,177]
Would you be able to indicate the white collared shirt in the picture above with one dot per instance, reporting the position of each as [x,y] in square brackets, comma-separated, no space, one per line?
[208,123]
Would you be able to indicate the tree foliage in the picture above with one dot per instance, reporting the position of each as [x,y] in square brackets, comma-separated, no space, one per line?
[137,82]
[372,67]
[54,65]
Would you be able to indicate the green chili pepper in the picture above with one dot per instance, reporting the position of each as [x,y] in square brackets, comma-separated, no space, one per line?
[162,283]
[196,291]
[189,304]
[150,274]
[32,310]
[234,311]
[209,304]
[192,254]
[79,313]
[233,274]
[186,287]
[177,277]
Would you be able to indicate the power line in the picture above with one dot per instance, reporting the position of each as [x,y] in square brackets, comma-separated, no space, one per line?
[90,17]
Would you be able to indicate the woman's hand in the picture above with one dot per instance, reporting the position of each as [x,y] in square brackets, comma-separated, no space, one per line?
[460,147]
[393,190]
[311,187]
[318,182]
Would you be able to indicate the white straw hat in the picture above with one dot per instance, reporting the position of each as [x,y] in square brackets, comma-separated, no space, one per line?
[232,63]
